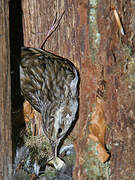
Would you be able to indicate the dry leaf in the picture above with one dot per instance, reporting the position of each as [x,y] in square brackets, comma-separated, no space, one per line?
[98,129]
[33,117]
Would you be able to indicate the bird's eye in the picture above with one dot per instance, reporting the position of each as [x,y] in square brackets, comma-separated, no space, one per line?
[59,130]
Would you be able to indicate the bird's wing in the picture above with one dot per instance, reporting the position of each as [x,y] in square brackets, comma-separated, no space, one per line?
[45,77]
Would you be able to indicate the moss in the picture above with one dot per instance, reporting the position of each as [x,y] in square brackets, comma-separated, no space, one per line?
[94,168]
[40,150]
[39,147]
[94,39]
[129,68]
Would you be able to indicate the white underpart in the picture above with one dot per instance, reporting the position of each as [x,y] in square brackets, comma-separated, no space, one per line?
[74,102]
[58,119]
[74,83]
[74,107]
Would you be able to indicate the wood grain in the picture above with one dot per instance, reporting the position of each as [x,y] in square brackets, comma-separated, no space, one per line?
[5,104]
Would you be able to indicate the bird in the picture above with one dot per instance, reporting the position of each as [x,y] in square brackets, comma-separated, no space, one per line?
[50,84]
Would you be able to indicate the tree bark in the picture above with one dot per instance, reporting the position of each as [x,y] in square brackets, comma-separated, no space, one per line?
[116,54]
[5,101]
[89,36]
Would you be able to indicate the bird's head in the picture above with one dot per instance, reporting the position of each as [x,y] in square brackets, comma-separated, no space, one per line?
[58,119]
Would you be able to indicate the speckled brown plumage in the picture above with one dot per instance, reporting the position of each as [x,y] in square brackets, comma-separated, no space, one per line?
[49,83]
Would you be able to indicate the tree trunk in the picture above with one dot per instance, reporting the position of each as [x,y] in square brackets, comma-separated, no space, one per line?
[5,102]
[89,36]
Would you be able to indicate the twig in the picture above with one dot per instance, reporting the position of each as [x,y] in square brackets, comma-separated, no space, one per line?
[53,27]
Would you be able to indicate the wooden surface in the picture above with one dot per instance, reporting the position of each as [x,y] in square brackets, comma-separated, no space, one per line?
[5,118]
[71,40]
[88,35]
